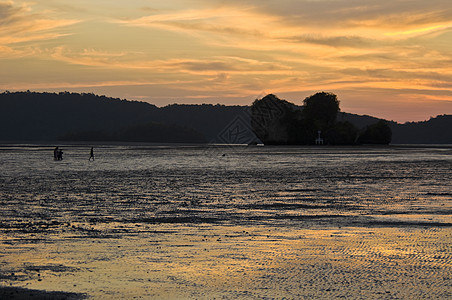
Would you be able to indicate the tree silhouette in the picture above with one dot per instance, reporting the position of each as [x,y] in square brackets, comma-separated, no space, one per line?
[378,133]
[321,110]
[342,133]
[272,119]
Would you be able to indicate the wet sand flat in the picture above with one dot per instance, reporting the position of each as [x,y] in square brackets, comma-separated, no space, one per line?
[248,223]
[175,262]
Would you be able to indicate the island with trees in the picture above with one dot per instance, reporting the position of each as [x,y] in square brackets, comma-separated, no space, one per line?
[277,121]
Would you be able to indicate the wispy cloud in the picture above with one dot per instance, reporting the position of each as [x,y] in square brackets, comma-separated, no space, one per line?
[231,49]
[229,20]
[135,61]
[282,25]
[19,24]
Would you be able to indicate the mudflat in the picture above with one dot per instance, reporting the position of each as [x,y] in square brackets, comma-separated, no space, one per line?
[226,222]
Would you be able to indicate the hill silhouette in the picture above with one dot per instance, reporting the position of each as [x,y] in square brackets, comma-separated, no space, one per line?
[47,116]
[31,116]
[437,130]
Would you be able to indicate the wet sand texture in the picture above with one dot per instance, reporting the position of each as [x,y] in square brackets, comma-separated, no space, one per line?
[257,223]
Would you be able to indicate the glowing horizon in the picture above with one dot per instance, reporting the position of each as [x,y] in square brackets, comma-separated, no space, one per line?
[389,59]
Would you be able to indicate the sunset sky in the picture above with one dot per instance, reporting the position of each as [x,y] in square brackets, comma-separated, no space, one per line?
[386,58]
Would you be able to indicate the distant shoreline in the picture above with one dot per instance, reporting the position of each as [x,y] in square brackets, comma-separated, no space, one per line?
[49,117]
[197,145]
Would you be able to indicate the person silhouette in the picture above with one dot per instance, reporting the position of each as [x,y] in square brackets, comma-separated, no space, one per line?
[55,153]
[60,155]
[91,155]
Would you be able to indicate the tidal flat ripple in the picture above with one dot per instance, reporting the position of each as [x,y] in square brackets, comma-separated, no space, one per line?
[190,222]
[285,186]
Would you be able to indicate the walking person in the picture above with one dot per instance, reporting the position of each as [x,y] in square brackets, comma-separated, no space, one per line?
[91,155]
[55,153]
[60,154]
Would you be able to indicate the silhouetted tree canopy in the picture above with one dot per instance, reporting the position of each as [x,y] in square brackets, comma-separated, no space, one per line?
[272,119]
[342,133]
[28,116]
[378,133]
[277,121]
[321,109]
[434,131]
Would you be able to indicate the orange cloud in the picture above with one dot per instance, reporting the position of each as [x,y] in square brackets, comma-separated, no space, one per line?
[20,24]
[226,50]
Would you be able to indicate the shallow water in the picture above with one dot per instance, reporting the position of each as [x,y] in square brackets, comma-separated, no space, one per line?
[190,199]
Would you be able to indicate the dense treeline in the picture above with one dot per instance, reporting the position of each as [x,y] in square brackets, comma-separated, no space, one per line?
[31,116]
[277,121]
[47,116]
[147,132]
[437,130]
